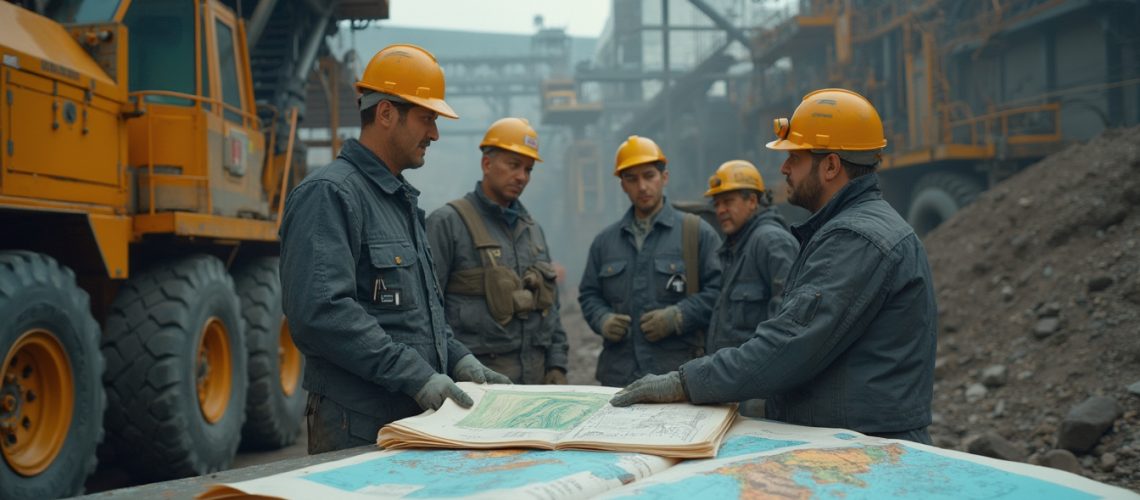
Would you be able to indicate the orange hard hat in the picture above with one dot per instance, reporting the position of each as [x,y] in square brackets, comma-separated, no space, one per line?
[831,119]
[637,151]
[513,134]
[733,175]
[410,73]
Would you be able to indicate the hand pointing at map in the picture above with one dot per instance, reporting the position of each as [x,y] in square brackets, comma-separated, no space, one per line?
[665,388]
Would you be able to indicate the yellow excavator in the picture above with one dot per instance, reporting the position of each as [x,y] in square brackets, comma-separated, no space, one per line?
[141,179]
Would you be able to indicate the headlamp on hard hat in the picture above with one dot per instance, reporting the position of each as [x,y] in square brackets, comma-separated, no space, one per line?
[781,127]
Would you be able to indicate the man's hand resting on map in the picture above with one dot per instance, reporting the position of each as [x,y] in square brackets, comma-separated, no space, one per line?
[437,389]
[665,388]
[469,369]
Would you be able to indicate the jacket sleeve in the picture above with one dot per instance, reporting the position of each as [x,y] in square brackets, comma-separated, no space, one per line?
[838,291]
[696,309]
[558,352]
[775,257]
[442,244]
[319,250]
[594,306]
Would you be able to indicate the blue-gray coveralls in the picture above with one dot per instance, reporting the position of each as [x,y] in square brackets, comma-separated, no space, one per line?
[527,347]
[853,344]
[755,263]
[361,298]
[620,279]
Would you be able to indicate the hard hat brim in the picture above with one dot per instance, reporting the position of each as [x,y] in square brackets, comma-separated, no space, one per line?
[729,188]
[638,160]
[786,145]
[438,105]
[514,149]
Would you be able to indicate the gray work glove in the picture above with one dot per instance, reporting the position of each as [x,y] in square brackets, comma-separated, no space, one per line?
[652,389]
[469,369]
[660,323]
[615,326]
[437,389]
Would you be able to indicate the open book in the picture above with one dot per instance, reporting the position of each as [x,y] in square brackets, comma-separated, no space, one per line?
[563,417]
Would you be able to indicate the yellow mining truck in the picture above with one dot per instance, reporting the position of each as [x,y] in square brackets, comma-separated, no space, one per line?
[139,199]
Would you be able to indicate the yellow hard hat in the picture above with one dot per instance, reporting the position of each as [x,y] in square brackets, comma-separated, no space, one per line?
[410,73]
[831,119]
[637,151]
[733,175]
[513,134]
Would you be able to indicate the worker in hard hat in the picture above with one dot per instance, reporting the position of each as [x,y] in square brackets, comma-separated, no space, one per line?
[651,278]
[853,343]
[358,288]
[494,265]
[755,258]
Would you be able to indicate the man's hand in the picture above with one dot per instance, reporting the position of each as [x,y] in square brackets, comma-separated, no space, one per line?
[437,389]
[660,323]
[469,369]
[652,389]
[554,376]
[615,326]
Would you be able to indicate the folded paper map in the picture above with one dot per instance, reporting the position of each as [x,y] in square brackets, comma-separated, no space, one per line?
[563,417]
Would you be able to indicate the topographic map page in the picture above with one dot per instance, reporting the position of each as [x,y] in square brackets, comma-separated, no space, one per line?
[761,459]
[441,474]
[563,417]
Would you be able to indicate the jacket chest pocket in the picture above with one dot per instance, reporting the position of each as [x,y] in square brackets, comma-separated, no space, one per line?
[614,282]
[749,303]
[391,283]
[669,279]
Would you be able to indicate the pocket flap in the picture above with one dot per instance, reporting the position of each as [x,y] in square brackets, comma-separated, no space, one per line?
[669,266]
[392,254]
[748,291]
[611,269]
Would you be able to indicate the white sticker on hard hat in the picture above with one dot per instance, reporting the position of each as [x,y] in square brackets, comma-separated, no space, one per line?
[530,141]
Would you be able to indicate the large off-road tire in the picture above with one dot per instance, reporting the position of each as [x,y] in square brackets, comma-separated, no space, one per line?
[276,403]
[51,401]
[176,370]
[937,197]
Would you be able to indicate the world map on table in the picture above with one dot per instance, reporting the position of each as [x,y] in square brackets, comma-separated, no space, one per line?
[556,411]
[456,473]
[882,471]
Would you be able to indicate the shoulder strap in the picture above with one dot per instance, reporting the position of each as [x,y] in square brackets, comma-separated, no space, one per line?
[479,234]
[690,244]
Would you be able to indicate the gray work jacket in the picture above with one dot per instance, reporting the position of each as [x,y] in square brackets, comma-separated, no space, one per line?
[521,247]
[620,279]
[359,288]
[755,262]
[853,344]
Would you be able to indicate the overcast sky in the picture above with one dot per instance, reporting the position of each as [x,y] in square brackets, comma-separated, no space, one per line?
[579,17]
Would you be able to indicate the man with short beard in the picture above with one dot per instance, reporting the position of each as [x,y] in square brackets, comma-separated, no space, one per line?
[358,288]
[637,290]
[755,258]
[853,343]
[494,265]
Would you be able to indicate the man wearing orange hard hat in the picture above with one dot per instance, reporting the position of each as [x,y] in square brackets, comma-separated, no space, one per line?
[494,265]
[651,278]
[358,289]
[755,257]
[853,343]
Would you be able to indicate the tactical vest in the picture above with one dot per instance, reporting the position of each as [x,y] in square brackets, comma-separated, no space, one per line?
[506,294]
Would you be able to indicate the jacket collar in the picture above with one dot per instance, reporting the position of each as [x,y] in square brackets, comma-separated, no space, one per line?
[856,191]
[731,241]
[374,168]
[484,203]
[667,216]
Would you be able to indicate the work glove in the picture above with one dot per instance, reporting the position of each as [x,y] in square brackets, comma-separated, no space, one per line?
[437,389]
[615,326]
[555,376]
[469,369]
[652,389]
[660,323]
